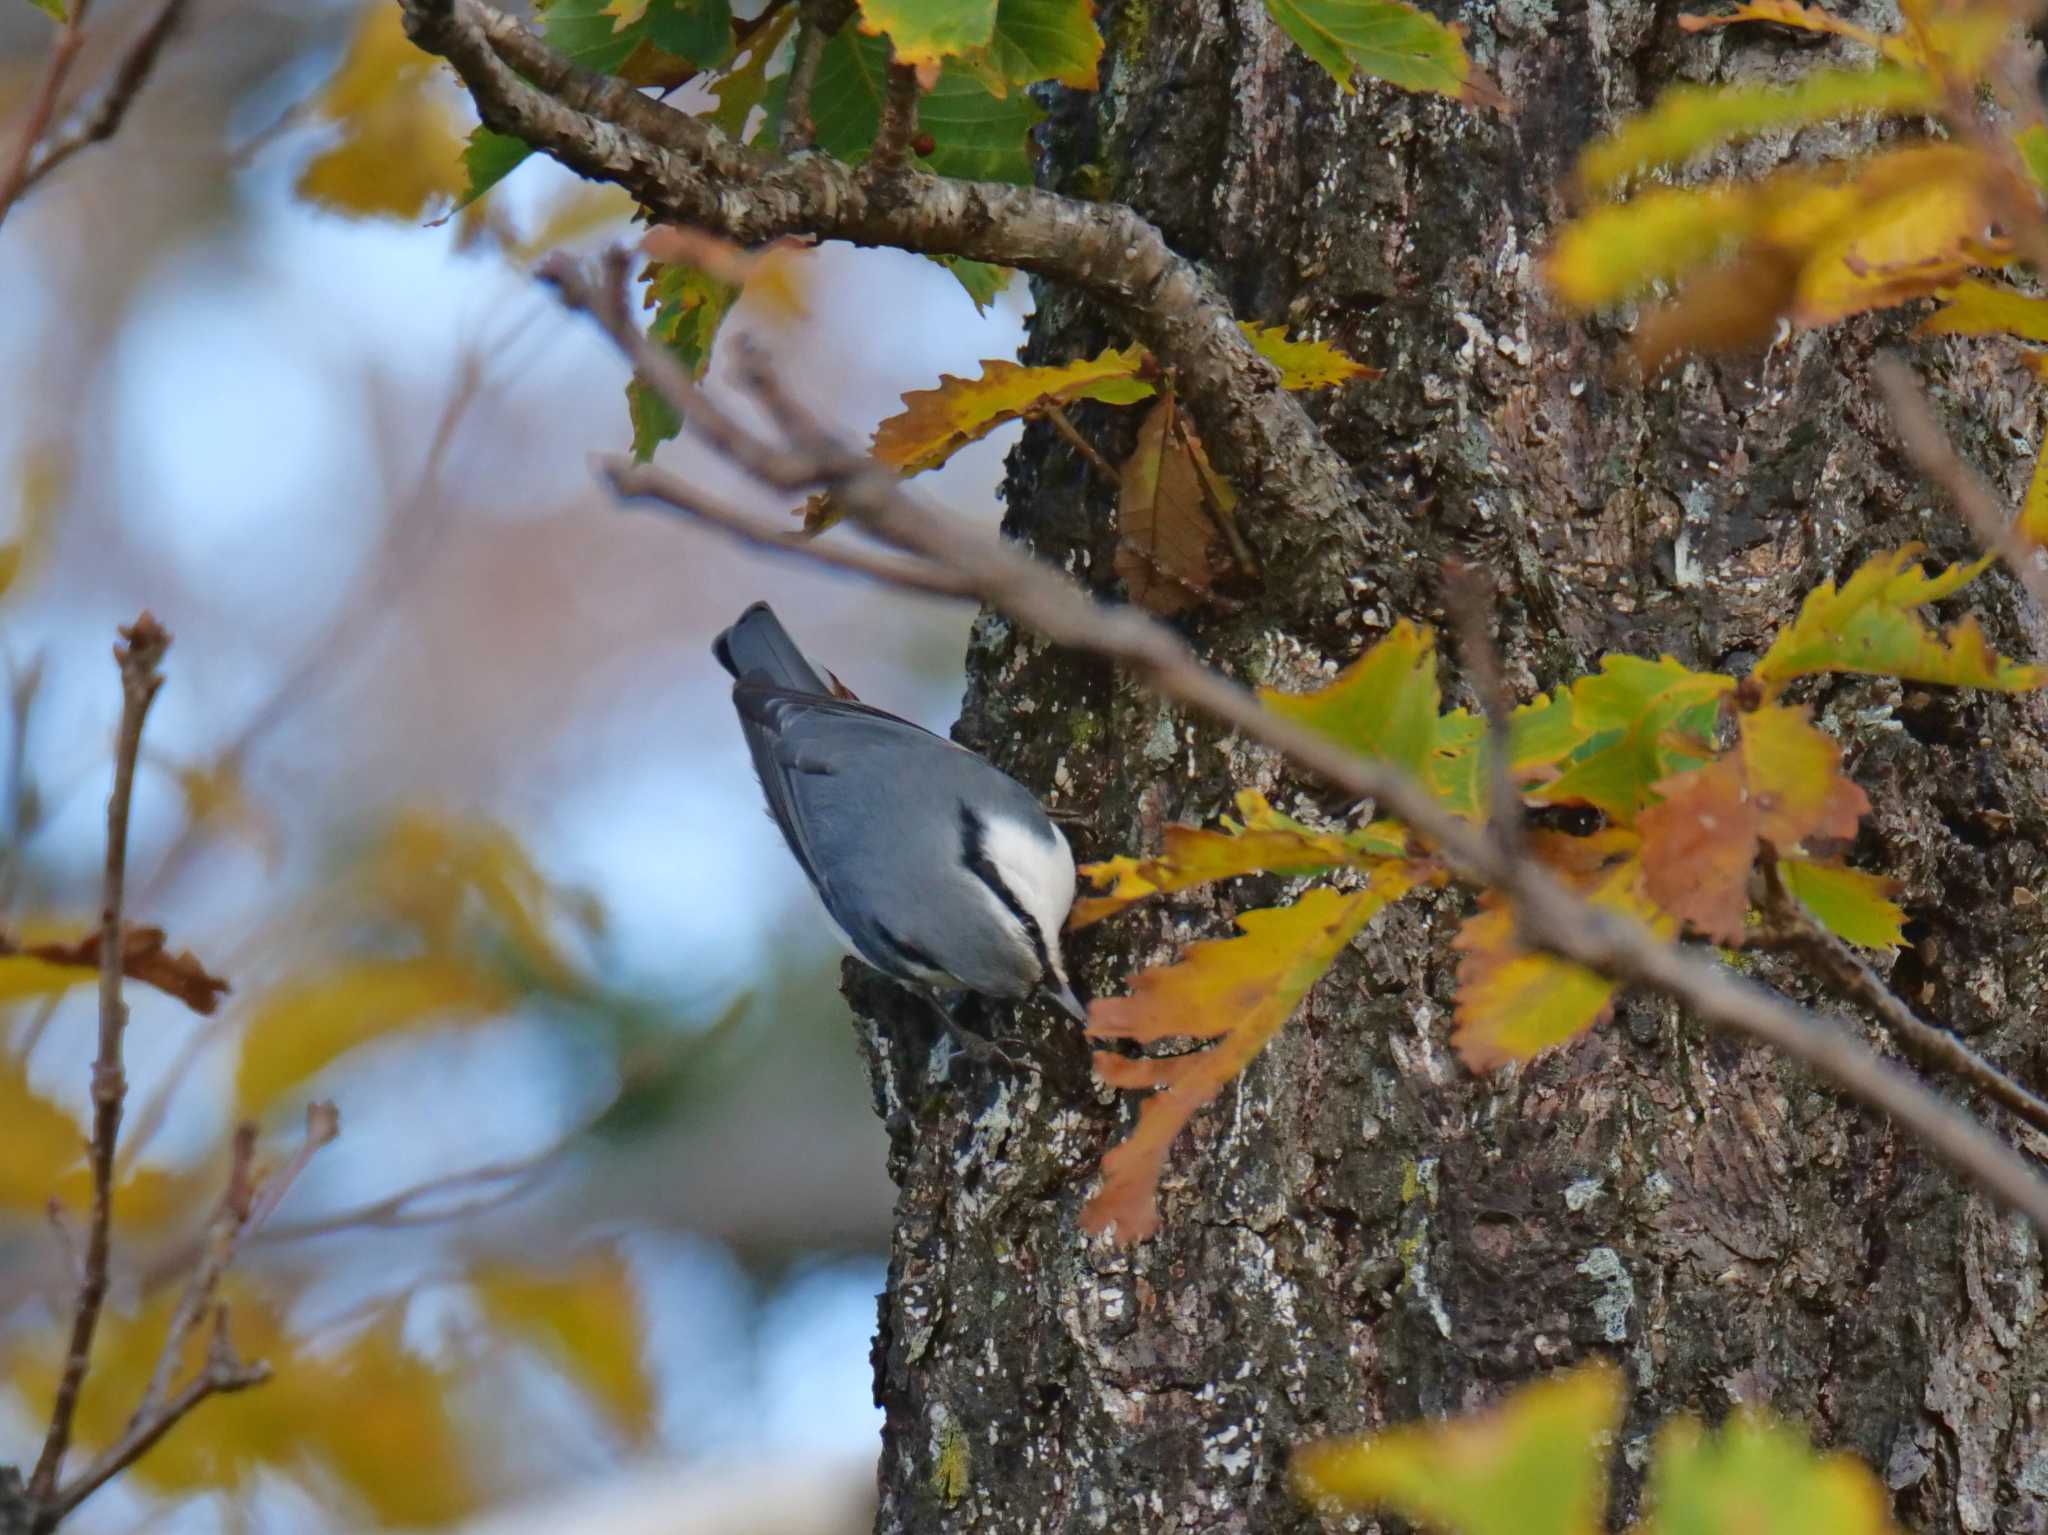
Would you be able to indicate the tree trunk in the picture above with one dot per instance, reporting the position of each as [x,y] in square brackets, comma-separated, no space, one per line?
[1360,1232]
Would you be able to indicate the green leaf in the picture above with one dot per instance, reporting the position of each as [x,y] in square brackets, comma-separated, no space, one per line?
[1040,40]
[1533,1465]
[1383,39]
[929,31]
[1759,1477]
[650,42]
[489,158]
[1854,906]
[697,30]
[1382,705]
[1640,721]
[746,87]
[1304,364]
[975,135]
[1541,733]
[1615,251]
[1690,119]
[54,9]
[982,280]
[1871,626]
[689,306]
[2032,143]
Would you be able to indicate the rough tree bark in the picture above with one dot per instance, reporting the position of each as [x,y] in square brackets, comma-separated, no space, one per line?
[1360,1232]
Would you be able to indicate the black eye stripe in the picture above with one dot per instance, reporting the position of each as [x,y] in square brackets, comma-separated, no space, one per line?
[974,851]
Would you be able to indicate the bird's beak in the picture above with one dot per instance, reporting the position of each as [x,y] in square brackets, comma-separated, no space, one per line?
[1064,995]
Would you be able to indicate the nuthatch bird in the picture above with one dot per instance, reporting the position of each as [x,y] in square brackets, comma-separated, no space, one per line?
[938,868]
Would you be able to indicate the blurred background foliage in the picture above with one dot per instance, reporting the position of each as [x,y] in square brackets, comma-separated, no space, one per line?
[444,782]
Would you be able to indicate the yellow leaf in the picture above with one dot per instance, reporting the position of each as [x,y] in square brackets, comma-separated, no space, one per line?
[1384,704]
[1614,252]
[303,1026]
[1870,626]
[42,1156]
[44,477]
[398,152]
[1235,991]
[586,1319]
[369,1416]
[1514,1003]
[937,423]
[2032,522]
[1760,1477]
[1535,1464]
[1690,119]
[1263,841]
[1854,906]
[1787,13]
[1304,364]
[1902,246]
[1974,307]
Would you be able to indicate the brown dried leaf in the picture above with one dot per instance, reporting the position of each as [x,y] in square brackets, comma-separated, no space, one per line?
[1171,552]
[143,958]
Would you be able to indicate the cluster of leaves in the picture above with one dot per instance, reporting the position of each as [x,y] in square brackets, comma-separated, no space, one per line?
[1536,1464]
[1693,777]
[452,928]
[1177,535]
[396,148]
[1807,245]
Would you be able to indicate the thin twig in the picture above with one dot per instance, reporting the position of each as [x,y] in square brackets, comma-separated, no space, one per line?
[899,120]
[1219,514]
[1060,611]
[111,110]
[1787,925]
[814,29]
[644,481]
[63,53]
[1929,447]
[1469,596]
[1062,424]
[242,1209]
[20,808]
[139,654]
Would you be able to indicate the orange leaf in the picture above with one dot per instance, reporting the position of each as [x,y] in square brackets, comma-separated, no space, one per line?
[1514,1003]
[937,423]
[1236,991]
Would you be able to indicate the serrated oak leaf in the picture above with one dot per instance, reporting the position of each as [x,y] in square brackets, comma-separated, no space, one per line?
[1172,540]
[1260,841]
[585,1318]
[936,423]
[1383,705]
[1637,721]
[1513,1003]
[1534,1464]
[1305,364]
[1856,907]
[1870,625]
[1234,991]
[1761,1477]
[1385,40]
[1541,734]
[974,134]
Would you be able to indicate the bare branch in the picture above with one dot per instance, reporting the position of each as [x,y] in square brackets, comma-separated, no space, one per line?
[63,54]
[1788,926]
[1062,612]
[1982,508]
[139,654]
[899,121]
[685,171]
[111,110]
[1469,595]
[817,22]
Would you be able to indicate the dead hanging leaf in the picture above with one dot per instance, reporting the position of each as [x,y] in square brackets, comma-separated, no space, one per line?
[1235,991]
[1172,545]
[144,958]
[1781,783]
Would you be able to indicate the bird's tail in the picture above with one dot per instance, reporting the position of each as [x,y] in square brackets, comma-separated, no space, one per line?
[757,642]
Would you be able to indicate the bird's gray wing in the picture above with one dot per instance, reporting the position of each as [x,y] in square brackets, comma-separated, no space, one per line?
[833,771]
